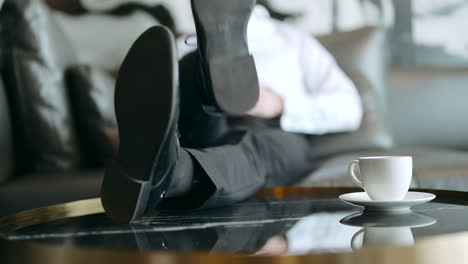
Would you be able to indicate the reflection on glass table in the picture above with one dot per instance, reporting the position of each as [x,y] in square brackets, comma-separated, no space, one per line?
[267,226]
[339,232]
[386,229]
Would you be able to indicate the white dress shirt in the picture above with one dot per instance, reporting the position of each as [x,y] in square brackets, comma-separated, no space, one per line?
[318,97]
[321,233]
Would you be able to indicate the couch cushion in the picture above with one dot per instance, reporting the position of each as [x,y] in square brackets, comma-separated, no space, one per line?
[362,55]
[38,190]
[434,168]
[37,53]
[92,90]
[101,39]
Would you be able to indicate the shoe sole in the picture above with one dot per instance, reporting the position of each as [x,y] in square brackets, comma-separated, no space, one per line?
[229,71]
[146,99]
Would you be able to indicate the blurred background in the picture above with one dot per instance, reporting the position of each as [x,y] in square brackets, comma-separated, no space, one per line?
[423,32]
[59,60]
[418,28]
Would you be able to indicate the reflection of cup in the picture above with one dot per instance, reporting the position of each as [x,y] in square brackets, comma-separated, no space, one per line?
[385,229]
[383,236]
[383,178]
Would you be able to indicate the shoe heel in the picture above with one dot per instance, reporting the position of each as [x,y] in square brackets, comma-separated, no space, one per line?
[235,83]
[223,26]
[132,198]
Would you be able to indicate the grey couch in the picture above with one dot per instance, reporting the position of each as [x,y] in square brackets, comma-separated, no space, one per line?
[419,112]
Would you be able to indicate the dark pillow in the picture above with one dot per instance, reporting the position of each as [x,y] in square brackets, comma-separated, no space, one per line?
[92,90]
[6,144]
[362,54]
[37,52]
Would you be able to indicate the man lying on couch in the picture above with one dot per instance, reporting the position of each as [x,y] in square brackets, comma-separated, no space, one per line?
[294,88]
[242,125]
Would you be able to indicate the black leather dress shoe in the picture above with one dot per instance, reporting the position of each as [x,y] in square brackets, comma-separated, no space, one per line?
[147,108]
[229,75]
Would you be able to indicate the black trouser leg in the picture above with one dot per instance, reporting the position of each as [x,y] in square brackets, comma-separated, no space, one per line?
[232,162]
[262,158]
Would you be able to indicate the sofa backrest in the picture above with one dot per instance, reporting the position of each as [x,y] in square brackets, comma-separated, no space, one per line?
[6,140]
[361,54]
[429,106]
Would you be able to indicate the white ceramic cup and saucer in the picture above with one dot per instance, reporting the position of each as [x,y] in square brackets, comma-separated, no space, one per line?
[386,181]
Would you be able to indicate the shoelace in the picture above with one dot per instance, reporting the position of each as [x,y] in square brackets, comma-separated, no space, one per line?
[191,40]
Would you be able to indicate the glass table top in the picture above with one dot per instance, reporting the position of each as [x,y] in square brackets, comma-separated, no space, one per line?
[264,225]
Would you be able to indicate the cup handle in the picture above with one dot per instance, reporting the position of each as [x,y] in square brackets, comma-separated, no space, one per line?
[353,240]
[355,178]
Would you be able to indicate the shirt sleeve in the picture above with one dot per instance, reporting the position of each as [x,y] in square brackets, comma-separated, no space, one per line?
[329,102]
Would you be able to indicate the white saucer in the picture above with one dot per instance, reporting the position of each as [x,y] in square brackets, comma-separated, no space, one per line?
[411,199]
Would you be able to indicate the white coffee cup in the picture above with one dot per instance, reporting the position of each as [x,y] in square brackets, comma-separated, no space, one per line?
[385,178]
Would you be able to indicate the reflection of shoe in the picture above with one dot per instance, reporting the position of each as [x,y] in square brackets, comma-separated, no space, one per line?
[147,240]
[146,105]
[181,241]
[228,69]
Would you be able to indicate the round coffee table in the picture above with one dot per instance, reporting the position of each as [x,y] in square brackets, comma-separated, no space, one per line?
[278,225]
